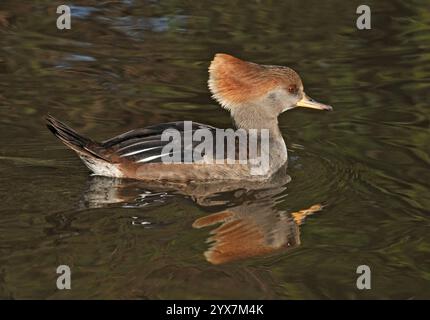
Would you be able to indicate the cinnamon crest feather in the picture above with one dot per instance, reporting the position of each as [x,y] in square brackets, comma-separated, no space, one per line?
[233,81]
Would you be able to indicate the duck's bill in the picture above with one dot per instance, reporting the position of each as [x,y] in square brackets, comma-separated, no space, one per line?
[308,102]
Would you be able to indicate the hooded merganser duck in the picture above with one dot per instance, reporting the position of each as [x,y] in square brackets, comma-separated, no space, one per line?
[254,94]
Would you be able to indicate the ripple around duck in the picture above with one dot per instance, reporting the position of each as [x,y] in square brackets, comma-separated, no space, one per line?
[321,174]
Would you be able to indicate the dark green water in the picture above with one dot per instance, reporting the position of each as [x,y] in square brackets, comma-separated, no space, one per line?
[127,64]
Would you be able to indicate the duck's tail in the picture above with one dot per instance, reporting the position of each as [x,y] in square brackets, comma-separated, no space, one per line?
[72,139]
[93,154]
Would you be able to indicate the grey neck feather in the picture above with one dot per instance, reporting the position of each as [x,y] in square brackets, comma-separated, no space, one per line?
[254,116]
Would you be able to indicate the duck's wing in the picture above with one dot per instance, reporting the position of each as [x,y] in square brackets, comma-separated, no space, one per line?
[146,145]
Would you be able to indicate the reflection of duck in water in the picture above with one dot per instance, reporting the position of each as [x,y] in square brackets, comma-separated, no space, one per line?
[251,226]
[252,229]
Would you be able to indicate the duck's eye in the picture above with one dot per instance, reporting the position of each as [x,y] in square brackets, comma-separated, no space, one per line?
[292,89]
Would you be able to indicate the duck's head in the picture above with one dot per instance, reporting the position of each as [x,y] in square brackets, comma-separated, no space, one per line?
[238,85]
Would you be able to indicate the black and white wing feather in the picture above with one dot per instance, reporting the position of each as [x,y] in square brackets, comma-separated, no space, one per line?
[146,145]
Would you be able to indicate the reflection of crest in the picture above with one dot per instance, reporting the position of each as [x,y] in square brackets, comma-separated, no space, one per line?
[252,228]
[248,223]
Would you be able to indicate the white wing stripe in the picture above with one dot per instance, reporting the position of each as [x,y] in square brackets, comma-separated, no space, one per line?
[135,144]
[139,151]
[153,157]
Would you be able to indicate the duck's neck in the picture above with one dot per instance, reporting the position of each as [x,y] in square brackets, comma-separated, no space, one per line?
[256,117]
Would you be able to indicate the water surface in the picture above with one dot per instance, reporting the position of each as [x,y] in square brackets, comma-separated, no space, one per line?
[362,170]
